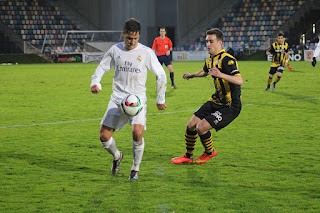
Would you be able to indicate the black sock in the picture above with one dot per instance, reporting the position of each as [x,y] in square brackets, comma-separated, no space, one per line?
[172,78]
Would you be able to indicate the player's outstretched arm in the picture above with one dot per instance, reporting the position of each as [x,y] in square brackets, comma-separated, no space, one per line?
[199,73]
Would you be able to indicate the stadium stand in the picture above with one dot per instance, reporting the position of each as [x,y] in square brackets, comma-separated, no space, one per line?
[41,25]
[37,22]
[251,22]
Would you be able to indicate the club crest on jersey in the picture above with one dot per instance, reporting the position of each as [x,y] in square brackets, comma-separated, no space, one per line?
[139,58]
[230,62]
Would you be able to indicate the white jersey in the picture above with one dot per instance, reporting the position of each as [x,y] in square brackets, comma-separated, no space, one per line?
[317,50]
[130,72]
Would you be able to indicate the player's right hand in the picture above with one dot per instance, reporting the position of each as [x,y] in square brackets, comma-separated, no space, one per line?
[187,76]
[95,89]
[162,106]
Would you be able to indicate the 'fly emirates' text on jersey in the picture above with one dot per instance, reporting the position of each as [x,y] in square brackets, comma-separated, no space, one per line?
[130,72]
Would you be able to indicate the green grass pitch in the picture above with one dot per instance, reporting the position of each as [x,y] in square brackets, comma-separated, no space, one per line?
[52,160]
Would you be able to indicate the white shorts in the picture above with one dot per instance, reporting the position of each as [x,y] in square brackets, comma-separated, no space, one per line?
[116,119]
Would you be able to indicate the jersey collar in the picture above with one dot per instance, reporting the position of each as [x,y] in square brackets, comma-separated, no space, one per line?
[219,53]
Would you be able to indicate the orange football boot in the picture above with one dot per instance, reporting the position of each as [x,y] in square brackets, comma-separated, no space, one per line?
[205,157]
[182,159]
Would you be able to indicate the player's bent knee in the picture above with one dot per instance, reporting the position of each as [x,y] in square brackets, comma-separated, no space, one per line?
[137,132]
[104,138]
[137,135]
[191,127]
[200,130]
[203,127]
[105,133]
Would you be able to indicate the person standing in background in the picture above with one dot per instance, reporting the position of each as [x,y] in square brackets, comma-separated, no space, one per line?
[162,45]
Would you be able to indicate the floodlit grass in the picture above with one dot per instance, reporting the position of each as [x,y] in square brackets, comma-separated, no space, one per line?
[52,160]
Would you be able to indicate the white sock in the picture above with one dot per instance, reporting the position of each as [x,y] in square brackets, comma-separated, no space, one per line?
[138,148]
[110,146]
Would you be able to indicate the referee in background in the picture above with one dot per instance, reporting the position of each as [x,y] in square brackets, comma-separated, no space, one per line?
[162,45]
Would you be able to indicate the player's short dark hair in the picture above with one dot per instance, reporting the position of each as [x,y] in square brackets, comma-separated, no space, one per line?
[280,34]
[217,32]
[132,25]
[163,28]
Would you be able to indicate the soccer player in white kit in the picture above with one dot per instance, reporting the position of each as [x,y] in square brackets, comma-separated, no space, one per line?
[131,61]
[316,53]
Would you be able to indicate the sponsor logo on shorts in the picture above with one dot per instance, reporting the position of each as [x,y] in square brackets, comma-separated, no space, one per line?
[218,116]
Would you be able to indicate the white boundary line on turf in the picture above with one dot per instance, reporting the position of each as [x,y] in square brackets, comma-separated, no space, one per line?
[150,114]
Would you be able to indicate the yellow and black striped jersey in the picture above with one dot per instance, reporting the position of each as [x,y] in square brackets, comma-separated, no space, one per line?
[279,53]
[226,93]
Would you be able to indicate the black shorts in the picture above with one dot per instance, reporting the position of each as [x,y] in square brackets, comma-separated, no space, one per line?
[273,70]
[217,116]
[164,59]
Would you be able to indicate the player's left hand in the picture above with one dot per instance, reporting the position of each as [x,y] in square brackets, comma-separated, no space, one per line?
[168,52]
[162,106]
[214,72]
[95,89]
[187,76]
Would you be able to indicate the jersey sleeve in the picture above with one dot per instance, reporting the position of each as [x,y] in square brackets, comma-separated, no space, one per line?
[230,66]
[205,67]
[154,45]
[105,65]
[169,43]
[155,67]
[287,49]
[271,49]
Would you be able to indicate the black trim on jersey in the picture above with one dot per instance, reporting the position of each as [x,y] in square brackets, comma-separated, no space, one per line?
[222,86]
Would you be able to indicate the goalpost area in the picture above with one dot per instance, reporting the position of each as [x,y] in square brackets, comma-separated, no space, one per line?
[87,46]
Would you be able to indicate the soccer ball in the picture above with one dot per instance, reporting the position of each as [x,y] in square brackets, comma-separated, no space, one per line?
[131,105]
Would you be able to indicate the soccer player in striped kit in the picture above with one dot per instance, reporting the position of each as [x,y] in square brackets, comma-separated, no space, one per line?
[222,107]
[280,52]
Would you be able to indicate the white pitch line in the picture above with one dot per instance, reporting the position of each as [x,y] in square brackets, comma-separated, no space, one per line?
[150,114]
